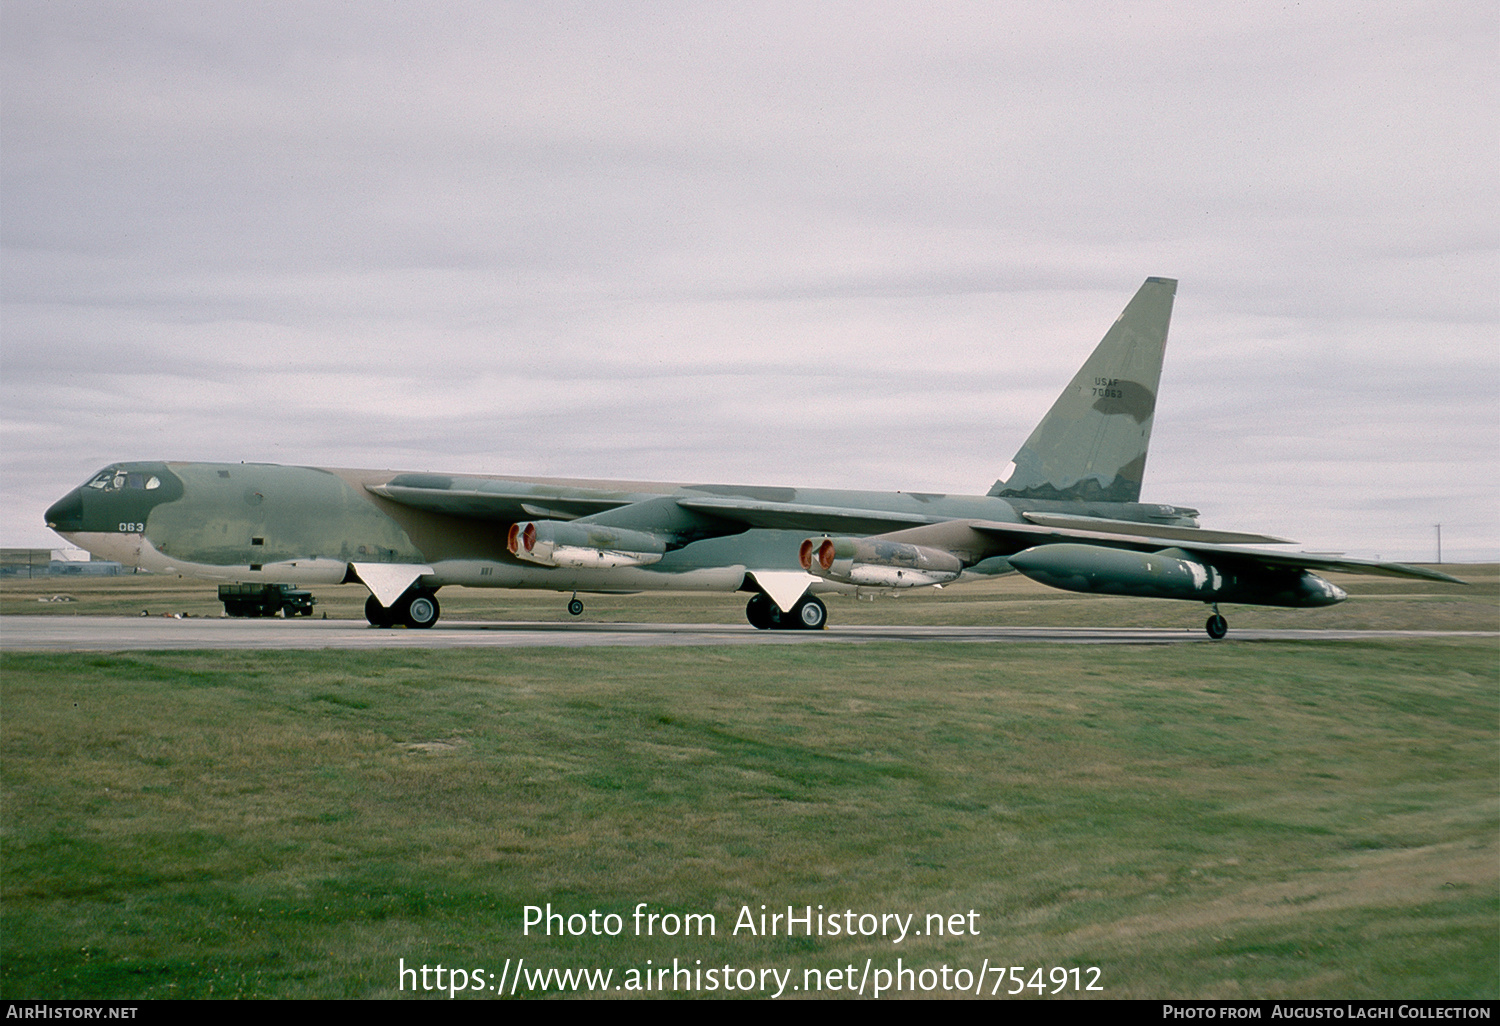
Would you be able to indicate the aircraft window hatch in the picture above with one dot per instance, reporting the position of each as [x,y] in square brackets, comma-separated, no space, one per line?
[114,480]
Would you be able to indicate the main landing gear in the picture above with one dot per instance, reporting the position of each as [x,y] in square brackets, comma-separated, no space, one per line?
[807,615]
[1216,626]
[417,608]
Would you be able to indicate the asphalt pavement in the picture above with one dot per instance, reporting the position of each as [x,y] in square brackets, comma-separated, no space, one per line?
[124,633]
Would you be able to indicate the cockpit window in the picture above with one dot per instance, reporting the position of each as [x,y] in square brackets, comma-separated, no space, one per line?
[113,480]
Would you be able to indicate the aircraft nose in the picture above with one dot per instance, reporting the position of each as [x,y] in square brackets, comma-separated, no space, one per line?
[66,514]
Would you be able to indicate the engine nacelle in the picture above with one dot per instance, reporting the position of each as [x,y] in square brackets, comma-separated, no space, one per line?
[873,563]
[1173,574]
[582,545]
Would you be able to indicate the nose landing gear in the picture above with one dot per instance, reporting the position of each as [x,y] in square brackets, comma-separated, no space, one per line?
[1216,625]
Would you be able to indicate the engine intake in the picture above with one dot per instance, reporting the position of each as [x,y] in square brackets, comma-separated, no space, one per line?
[874,563]
[582,545]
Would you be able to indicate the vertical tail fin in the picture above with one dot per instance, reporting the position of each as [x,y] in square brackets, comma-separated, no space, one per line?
[1092,444]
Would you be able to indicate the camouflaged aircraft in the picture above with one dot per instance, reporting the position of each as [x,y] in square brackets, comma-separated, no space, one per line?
[1066,512]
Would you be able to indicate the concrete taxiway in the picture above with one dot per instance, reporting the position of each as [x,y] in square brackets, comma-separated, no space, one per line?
[112,634]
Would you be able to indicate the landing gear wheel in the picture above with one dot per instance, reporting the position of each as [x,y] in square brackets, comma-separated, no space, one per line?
[1216,626]
[810,614]
[758,612]
[378,615]
[419,609]
[576,606]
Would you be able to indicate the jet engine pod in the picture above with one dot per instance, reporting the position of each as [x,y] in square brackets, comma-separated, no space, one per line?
[872,562]
[582,545]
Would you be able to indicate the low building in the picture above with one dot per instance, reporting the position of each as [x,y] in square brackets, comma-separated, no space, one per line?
[50,563]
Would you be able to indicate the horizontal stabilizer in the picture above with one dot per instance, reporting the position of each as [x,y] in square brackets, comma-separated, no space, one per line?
[1197,534]
[1125,535]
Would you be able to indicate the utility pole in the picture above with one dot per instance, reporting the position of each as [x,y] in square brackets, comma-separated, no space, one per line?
[1440,543]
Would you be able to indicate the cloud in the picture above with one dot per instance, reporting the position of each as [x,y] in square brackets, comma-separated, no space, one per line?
[861,245]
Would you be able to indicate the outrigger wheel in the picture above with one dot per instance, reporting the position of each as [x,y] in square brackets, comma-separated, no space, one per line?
[576,606]
[1216,626]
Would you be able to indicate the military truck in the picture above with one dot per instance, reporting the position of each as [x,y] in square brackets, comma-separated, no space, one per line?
[266,600]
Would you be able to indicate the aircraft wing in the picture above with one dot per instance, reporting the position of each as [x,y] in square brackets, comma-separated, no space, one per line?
[1212,545]
[1215,546]
[1331,562]
[792,516]
[504,501]
[497,500]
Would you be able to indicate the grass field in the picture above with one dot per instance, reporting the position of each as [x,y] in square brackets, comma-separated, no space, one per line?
[1226,820]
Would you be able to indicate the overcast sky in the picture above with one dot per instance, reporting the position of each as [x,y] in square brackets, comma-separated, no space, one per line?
[845,245]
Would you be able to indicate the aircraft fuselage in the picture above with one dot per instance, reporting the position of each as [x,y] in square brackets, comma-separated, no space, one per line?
[306,525]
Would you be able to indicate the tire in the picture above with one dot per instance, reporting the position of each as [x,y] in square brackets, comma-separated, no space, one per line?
[576,607]
[758,612]
[810,615]
[420,610]
[378,615]
[1216,627]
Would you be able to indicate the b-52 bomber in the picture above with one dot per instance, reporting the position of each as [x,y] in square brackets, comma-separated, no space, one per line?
[1066,512]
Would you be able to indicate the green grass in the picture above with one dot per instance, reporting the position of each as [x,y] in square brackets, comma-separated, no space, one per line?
[1239,820]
